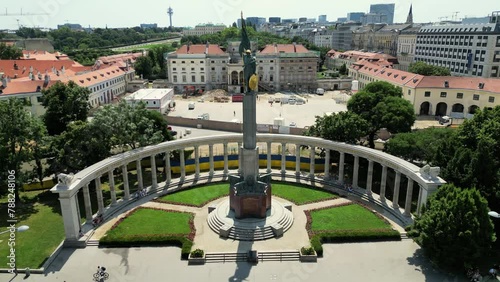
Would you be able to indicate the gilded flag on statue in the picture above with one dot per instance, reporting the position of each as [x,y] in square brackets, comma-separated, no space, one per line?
[245,42]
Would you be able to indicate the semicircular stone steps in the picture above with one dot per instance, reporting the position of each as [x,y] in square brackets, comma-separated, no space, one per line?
[250,229]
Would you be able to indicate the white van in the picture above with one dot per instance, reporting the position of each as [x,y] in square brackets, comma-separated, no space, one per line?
[320,91]
[191,106]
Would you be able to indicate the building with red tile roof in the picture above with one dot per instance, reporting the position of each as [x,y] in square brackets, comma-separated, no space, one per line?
[197,67]
[457,97]
[26,78]
[287,67]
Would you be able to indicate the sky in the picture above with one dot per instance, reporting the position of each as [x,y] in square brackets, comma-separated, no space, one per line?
[120,13]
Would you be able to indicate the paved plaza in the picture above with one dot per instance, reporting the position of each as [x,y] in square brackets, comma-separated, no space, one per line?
[377,261]
[381,261]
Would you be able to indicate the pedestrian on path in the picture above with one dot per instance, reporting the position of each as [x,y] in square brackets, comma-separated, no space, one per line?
[234,113]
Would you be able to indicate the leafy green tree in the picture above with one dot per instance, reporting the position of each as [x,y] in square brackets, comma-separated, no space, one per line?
[342,127]
[144,66]
[343,69]
[175,44]
[81,145]
[9,52]
[426,69]
[472,159]
[19,132]
[421,146]
[64,103]
[131,126]
[454,229]
[381,105]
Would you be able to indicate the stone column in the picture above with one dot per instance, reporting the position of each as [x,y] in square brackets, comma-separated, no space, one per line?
[88,203]
[168,172]
[196,162]
[98,189]
[383,183]
[226,160]
[424,193]
[154,180]
[341,167]
[240,158]
[71,218]
[312,161]
[409,192]
[183,165]
[395,196]
[356,172]
[126,188]
[269,161]
[297,159]
[111,178]
[139,174]
[283,158]
[369,178]
[211,159]
[327,164]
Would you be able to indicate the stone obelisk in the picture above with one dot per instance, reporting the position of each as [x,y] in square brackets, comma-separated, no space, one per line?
[249,193]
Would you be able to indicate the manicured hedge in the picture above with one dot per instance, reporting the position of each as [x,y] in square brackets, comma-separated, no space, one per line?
[149,240]
[343,236]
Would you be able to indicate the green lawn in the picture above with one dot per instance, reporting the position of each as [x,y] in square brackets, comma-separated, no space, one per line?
[300,195]
[146,221]
[198,196]
[41,212]
[350,217]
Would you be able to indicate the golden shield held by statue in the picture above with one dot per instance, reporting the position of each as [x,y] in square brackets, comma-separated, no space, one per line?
[252,83]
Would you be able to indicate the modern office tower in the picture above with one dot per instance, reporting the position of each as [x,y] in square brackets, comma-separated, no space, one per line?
[355,16]
[322,18]
[384,9]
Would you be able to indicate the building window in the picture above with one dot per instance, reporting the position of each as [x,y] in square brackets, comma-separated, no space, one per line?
[213,69]
[223,69]
[409,91]
[183,62]
[192,62]
[475,97]
[193,78]
[175,78]
[443,95]
[174,69]
[202,69]
[202,78]
[184,78]
[460,95]
[491,99]
[272,77]
[173,62]
[192,69]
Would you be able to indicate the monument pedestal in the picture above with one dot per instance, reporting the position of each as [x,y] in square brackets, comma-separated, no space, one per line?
[247,200]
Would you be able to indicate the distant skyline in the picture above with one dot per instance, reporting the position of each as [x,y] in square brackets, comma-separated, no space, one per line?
[117,13]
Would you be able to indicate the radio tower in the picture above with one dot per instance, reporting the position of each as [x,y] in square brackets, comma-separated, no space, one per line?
[170,12]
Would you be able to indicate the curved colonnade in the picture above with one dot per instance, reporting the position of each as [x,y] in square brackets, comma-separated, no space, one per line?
[427,184]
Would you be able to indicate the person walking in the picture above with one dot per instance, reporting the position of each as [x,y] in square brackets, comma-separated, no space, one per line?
[234,113]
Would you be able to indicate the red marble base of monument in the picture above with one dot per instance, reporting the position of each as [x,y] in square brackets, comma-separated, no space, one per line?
[250,205]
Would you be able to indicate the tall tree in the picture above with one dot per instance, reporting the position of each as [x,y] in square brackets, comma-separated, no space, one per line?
[472,159]
[18,134]
[426,69]
[131,126]
[420,146]
[81,145]
[381,105]
[454,229]
[144,66]
[9,52]
[64,103]
[343,69]
[342,127]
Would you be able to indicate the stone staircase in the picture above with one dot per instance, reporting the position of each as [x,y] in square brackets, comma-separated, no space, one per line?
[225,257]
[93,243]
[279,256]
[243,257]
[250,232]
